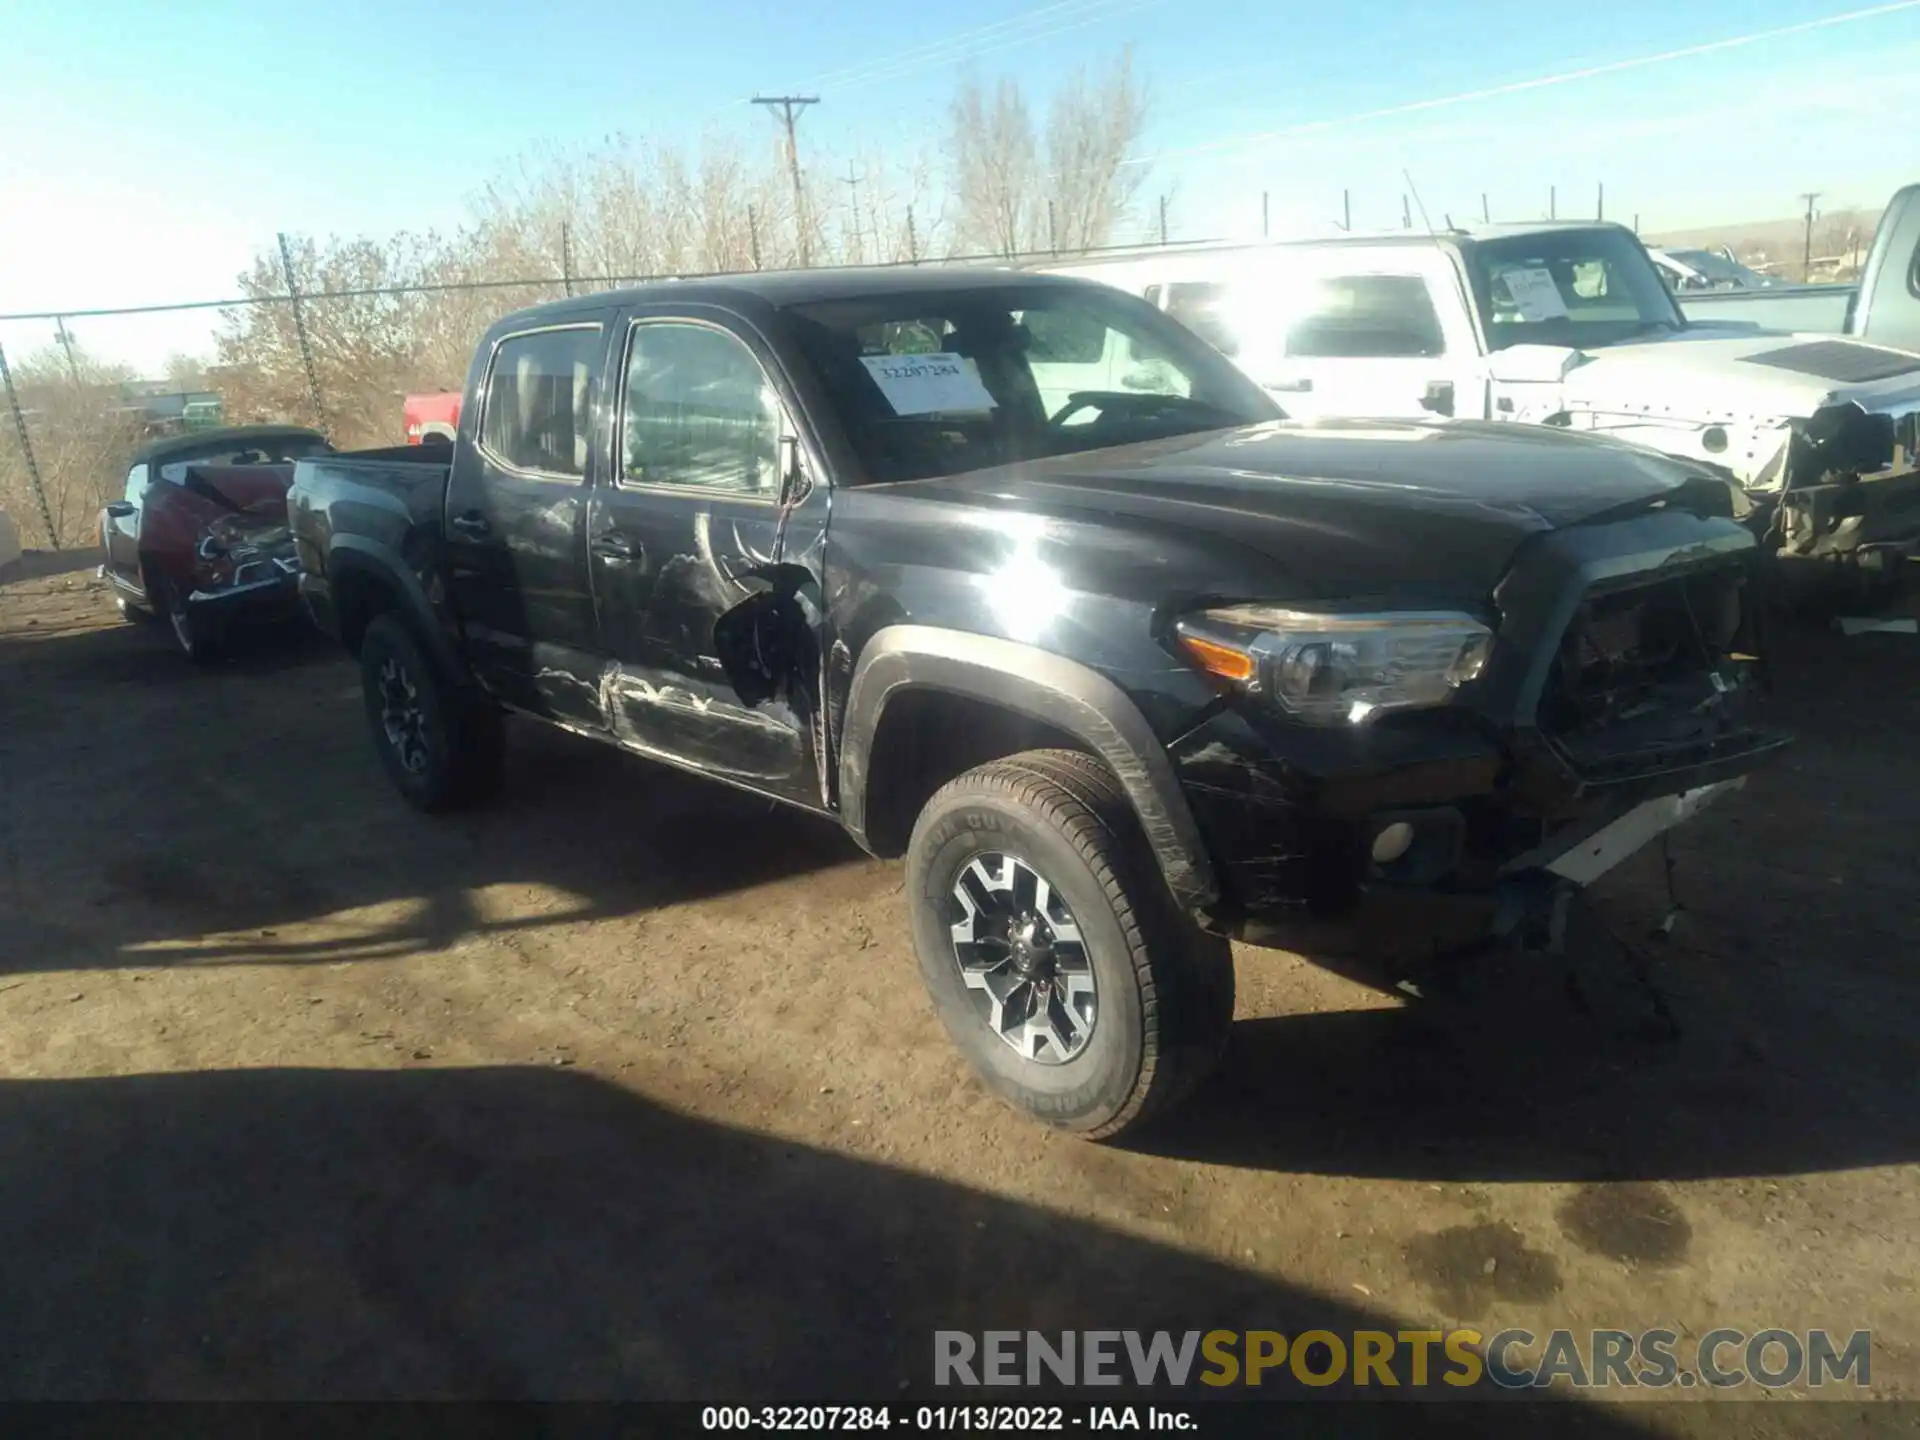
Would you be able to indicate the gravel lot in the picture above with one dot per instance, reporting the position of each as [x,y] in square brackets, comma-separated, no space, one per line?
[628,1087]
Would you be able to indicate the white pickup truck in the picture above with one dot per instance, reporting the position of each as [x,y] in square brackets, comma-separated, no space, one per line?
[1566,325]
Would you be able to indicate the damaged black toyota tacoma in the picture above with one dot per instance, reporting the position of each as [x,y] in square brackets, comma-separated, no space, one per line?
[1016,577]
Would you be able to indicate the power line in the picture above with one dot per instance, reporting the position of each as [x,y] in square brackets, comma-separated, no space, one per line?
[790,107]
[1034,24]
[1542,82]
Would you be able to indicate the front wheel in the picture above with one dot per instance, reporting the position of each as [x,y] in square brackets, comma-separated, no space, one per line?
[1055,958]
[442,747]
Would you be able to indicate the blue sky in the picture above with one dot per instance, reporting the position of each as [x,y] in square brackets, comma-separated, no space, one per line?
[146,150]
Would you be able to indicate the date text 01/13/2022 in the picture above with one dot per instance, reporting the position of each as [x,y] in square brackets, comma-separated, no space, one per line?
[941,1418]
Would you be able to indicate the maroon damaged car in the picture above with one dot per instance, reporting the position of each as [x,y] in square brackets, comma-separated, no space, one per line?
[199,538]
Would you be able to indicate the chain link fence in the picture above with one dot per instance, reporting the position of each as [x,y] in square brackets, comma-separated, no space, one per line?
[341,359]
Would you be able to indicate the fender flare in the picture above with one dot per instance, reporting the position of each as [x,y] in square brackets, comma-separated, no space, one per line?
[359,555]
[1049,688]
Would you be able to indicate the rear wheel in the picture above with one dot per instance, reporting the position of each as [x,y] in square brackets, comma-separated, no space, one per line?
[1054,955]
[441,745]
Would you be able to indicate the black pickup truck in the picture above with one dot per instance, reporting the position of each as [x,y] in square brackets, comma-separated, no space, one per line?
[1015,576]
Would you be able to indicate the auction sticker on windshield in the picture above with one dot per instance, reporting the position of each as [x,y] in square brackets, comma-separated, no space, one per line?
[925,384]
[1534,292]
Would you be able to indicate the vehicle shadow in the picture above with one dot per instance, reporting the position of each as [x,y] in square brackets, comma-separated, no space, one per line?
[528,1234]
[188,815]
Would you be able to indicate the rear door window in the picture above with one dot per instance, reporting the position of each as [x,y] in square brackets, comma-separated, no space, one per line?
[539,400]
[1202,306]
[1366,317]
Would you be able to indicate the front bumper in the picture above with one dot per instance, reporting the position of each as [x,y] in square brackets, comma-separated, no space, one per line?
[265,588]
[1509,798]
[1381,919]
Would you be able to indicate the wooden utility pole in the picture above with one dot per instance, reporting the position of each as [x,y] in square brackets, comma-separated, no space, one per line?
[66,344]
[852,182]
[1163,220]
[789,108]
[1806,254]
[1266,227]
[1486,212]
[566,259]
[913,239]
[753,235]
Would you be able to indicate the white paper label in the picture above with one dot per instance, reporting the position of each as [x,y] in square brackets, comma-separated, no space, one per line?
[1535,294]
[923,384]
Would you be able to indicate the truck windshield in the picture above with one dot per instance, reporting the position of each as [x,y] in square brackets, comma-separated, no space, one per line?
[1580,288]
[946,382]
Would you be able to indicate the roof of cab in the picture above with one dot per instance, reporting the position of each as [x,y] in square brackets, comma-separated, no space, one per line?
[1457,235]
[780,288]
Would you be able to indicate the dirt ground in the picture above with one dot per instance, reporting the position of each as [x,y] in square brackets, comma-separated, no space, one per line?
[627,1087]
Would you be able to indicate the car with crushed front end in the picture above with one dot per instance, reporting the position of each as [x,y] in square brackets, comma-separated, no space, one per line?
[1122,676]
[199,536]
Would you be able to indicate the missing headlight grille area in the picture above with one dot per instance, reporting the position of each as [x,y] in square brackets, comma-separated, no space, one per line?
[1648,676]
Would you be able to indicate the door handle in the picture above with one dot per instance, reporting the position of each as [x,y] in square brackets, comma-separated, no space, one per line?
[613,546]
[1438,398]
[472,523]
[1293,387]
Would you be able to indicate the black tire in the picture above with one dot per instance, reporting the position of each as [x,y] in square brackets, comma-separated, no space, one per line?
[445,746]
[1164,990]
[196,641]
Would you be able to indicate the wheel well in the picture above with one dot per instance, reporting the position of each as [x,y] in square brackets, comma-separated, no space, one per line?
[925,738]
[357,598]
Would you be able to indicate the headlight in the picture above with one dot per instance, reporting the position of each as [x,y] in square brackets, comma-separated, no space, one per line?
[1332,669]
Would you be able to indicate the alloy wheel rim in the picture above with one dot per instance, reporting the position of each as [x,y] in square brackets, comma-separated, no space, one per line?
[402,718]
[1023,960]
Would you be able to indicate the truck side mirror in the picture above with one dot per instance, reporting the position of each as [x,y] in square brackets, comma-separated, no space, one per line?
[119,509]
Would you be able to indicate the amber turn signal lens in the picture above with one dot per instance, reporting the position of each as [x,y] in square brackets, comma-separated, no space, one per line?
[1217,659]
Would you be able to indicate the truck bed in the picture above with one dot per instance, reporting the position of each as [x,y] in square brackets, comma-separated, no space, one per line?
[386,503]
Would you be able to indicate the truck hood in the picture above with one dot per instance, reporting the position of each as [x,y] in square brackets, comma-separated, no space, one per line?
[1734,373]
[1432,509]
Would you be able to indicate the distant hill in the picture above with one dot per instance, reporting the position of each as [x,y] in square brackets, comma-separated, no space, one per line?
[1840,240]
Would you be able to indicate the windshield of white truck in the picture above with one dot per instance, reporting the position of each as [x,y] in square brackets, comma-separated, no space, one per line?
[1580,288]
[947,382]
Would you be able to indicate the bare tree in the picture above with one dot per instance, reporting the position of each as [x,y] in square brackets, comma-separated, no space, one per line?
[1093,121]
[187,373]
[363,338]
[1015,193]
[83,433]
[996,175]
